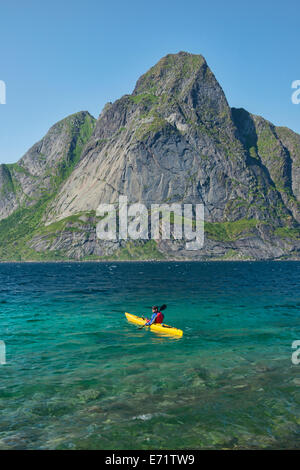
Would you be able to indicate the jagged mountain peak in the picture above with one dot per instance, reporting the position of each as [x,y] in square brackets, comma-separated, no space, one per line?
[180,90]
[51,148]
[174,72]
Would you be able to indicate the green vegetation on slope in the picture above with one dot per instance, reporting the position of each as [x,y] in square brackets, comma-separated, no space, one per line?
[135,250]
[230,231]
[287,232]
[21,226]
[17,230]
[7,182]
[78,141]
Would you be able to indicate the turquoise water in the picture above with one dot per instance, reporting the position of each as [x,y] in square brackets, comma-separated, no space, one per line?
[78,376]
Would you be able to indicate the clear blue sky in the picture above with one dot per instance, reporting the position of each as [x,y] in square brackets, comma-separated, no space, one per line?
[63,56]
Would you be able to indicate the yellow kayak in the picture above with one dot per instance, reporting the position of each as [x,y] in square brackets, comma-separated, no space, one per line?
[157,327]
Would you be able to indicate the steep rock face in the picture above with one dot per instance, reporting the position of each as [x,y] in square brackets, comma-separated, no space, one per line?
[277,150]
[291,142]
[8,201]
[173,140]
[40,171]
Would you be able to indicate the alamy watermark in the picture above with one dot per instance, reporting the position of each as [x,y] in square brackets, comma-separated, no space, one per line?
[164,221]
[296,94]
[2,353]
[296,354]
[2,92]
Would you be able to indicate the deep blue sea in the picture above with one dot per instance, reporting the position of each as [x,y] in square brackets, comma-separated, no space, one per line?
[79,376]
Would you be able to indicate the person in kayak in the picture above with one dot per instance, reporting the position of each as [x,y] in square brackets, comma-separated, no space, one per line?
[157,317]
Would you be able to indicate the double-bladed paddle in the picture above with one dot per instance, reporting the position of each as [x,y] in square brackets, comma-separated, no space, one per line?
[163,307]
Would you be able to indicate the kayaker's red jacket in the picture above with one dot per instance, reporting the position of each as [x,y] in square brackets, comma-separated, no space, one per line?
[159,318]
[156,318]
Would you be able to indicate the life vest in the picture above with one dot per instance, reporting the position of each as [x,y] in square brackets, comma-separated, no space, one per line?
[159,318]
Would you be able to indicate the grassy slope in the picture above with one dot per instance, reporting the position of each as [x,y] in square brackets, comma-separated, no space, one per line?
[18,229]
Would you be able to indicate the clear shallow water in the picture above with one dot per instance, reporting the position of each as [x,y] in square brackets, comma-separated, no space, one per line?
[78,376]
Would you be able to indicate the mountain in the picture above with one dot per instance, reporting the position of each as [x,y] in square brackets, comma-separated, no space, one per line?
[42,169]
[174,139]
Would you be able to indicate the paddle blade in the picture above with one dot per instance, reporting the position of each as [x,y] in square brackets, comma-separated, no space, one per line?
[163,307]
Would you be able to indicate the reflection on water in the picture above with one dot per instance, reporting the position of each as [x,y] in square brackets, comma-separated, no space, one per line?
[79,376]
